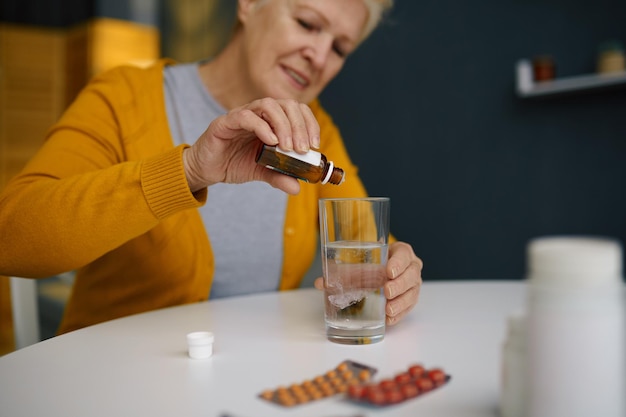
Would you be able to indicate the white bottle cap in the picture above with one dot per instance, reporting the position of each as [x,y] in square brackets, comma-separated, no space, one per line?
[200,344]
[331,167]
[578,261]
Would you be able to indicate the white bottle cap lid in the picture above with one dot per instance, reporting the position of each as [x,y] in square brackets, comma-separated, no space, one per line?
[577,260]
[331,167]
[200,344]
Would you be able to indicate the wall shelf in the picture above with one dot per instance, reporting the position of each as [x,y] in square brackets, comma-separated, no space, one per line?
[527,87]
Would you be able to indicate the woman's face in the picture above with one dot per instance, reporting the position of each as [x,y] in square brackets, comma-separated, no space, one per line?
[294,48]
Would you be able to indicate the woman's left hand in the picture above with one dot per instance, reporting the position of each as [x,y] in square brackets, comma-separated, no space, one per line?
[404,270]
[404,273]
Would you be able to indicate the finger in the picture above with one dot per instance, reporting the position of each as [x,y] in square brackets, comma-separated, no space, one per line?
[401,255]
[299,132]
[280,181]
[312,126]
[273,114]
[410,278]
[399,307]
[403,268]
[248,120]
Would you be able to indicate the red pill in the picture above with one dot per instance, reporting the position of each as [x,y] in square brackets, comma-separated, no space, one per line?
[357,391]
[437,376]
[388,384]
[376,396]
[416,371]
[403,378]
[394,396]
[424,384]
[409,390]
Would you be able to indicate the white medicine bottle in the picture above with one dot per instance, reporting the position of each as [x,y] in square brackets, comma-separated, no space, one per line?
[514,368]
[311,167]
[575,328]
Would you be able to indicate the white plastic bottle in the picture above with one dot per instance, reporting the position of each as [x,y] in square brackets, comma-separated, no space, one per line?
[514,367]
[575,319]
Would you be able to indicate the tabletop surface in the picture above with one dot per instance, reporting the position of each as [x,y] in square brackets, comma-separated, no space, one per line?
[138,365]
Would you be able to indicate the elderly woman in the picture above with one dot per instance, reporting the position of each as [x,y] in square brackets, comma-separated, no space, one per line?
[154,209]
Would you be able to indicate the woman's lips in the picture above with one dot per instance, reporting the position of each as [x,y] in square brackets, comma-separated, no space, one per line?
[298,78]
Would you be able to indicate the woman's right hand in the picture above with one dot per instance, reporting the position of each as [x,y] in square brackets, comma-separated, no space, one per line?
[227,150]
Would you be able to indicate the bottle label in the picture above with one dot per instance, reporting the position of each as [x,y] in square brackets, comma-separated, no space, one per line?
[311,157]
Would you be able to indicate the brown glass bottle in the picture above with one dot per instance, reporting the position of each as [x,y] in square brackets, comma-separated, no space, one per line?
[310,167]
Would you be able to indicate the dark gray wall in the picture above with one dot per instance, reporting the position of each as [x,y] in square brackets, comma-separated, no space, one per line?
[429,113]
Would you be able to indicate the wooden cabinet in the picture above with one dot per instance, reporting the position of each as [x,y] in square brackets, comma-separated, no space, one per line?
[41,71]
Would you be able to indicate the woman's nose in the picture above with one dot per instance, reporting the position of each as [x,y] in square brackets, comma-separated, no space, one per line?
[318,50]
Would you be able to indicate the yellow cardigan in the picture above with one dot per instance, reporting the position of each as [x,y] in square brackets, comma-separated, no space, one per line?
[106,196]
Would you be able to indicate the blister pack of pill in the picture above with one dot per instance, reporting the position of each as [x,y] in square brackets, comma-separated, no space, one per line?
[335,381]
[406,385]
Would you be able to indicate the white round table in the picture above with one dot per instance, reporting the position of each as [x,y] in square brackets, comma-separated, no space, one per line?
[138,365]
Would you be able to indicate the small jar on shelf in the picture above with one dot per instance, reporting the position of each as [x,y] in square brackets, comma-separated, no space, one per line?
[611,58]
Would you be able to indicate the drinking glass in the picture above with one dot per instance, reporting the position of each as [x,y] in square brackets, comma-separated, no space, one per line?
[354,235]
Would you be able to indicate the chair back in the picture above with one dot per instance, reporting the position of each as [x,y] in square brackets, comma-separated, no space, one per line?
[25,311]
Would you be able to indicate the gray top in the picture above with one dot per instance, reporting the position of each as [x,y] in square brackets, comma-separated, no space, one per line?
[244,221]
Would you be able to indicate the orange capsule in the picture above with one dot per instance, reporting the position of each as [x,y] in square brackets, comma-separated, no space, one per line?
[364,375]
[335,382]
[326,385]
[327,390]
[353,381]
[316,395]
[302,397]
[347,374]
[267,394]
[287,401]
[310,388]
[341,388]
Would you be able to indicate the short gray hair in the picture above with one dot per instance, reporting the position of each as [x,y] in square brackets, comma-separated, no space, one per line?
[376,8]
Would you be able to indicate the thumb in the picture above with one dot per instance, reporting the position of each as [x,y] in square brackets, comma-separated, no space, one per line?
[283,182]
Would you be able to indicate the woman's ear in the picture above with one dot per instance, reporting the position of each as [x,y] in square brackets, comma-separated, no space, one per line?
[245,8]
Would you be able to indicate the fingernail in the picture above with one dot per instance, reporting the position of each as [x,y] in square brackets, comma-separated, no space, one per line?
[274,139]
[316,142]
[394,273]
[290,147]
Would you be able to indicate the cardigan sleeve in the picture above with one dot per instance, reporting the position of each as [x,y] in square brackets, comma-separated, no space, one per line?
[106,173]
